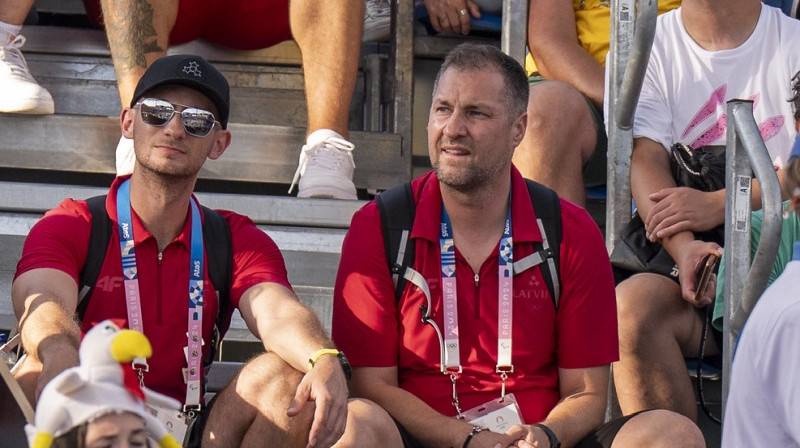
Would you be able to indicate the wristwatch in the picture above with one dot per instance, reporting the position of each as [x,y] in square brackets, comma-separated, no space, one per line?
[348,371]
[551,436]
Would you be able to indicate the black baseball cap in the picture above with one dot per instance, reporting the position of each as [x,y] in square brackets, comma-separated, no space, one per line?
[191,71]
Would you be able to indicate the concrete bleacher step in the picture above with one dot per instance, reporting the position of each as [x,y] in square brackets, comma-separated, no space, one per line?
[268,113]
[311,251]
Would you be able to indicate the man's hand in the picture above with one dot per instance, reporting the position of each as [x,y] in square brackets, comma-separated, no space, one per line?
[529,436]
[690,265]
[446,15]
[681,209]
[490,439]
[326,385]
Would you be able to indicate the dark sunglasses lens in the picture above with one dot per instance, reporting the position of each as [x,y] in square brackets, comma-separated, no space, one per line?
[156,113]
[197,122]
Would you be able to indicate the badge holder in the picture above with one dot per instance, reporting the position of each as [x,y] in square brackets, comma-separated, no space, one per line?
[498,415]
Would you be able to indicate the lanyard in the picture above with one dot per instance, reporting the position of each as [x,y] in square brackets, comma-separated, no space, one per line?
[133,299]
[451,361]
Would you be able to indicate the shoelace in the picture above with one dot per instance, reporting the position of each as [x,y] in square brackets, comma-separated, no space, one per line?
[377,8]
[12,56]
[309,153]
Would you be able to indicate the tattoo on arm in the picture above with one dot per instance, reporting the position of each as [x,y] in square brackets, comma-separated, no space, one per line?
[131,32]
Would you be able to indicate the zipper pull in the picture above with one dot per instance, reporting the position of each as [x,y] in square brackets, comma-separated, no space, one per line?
[160,257]
[477,279]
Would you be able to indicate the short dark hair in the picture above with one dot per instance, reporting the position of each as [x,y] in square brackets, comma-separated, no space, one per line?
[476,57]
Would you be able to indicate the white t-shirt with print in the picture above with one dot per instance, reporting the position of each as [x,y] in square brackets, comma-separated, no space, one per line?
[686,88]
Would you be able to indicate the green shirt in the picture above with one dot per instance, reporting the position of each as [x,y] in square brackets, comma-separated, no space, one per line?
[790,232]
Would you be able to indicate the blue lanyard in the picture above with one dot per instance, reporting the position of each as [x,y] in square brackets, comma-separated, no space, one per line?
[130,275]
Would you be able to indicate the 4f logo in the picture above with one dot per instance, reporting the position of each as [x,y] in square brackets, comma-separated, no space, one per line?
[108,283]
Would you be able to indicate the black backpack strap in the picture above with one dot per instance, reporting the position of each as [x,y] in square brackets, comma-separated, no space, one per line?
[219,253]
[397,210]
[99,238]
[547,207]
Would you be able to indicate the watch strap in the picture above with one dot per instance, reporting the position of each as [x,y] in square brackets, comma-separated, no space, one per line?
[551,436]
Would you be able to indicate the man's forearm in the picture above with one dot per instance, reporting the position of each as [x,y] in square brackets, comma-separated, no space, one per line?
[47,329]
[576,416]
[425,424]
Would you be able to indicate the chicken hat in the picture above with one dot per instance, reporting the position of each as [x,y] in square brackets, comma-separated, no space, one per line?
[102,384]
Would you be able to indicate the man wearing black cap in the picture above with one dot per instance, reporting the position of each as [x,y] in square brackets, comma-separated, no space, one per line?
[156,277]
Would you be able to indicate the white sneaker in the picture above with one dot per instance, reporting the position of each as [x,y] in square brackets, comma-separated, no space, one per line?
[125,157]
[377,21]
[19,92]
[326,166]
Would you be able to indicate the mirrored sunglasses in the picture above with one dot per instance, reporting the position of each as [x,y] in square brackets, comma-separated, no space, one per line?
[196,122]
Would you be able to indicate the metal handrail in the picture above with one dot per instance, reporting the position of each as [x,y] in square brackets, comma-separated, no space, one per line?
[629,52]
[746,149]
[514,29]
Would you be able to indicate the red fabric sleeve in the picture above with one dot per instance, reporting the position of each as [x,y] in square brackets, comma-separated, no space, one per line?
[59,240]
[365,323]
[587,314]
[256,257]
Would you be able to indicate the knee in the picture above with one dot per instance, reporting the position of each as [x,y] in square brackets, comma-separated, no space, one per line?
[267,375]
[659,428]
[369,425]
[558,107]
[644,305]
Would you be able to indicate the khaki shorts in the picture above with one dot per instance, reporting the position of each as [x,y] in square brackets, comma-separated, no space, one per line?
[594,172]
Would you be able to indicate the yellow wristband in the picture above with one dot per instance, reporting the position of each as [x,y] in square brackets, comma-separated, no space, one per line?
[319,353]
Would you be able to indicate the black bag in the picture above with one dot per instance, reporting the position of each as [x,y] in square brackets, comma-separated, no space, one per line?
[702,169]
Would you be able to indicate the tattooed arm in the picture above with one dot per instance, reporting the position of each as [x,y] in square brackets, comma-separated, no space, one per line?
[138,33]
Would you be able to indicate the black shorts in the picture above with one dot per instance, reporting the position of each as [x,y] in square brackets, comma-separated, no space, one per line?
[602,437]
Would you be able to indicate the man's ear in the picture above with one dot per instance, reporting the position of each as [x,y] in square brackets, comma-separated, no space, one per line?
[222,139]
[126,119]
[518,128]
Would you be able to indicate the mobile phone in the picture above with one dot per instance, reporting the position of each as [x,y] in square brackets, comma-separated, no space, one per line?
[705,275]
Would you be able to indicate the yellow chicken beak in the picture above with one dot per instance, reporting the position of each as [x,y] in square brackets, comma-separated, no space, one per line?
[129,345]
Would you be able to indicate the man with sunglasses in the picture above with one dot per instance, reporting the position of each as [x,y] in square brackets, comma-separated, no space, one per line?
[155,276]
[327,33]
[474,352]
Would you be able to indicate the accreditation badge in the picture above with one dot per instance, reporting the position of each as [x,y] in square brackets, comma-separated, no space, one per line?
[498,415]
[173,420]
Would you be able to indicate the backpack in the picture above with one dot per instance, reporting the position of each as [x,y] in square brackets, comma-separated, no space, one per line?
[397,210]
[218,250]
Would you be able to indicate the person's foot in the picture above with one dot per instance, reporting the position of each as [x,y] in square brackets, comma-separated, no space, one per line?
[125,156]
[326,167]
[19,92]
[377,21]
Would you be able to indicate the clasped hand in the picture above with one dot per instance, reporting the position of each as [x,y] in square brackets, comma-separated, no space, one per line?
[682,209]
[326,386]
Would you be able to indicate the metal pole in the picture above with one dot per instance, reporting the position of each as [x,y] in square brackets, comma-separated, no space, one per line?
[620,141]
[514,32]
[744,282]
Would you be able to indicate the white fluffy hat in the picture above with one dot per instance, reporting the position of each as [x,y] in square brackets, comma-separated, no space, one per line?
[103,383]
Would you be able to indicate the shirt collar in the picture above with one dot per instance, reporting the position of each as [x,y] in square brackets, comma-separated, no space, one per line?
[140,233]
[523,218]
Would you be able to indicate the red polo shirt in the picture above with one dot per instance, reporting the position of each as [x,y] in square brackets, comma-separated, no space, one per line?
[375,331]
[60,241]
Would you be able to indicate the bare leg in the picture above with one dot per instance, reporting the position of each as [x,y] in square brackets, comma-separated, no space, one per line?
[657,429]
[251,412]
[138,34]
[15,11]
[330,41]
[657,328]
[559,139]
